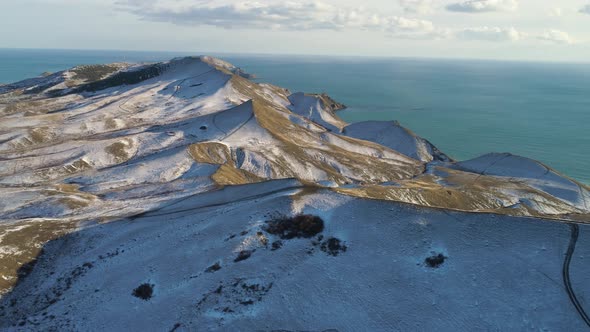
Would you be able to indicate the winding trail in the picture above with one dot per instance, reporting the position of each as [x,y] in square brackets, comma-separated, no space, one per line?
[566,274]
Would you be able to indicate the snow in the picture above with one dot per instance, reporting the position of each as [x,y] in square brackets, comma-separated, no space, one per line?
[501,272]
[136,168]
[310,107]
[395,137]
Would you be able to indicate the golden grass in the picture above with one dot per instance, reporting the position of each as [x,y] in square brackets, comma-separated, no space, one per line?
[119,150]
[462,191]
[23,106]
[228,175]
[27,239]
[210,153]
[70,196]
[74,202]
[295,143]
[34,107]
[469,193]
[427,196]
[41,135]
[110,124]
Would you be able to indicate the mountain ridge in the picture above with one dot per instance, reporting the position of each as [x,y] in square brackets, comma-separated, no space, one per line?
[93,147]
[300,127]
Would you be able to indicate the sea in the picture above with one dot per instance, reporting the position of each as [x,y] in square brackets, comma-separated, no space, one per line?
[465,107]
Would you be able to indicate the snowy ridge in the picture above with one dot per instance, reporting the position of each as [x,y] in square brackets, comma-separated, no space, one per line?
[396,137]
[192,152]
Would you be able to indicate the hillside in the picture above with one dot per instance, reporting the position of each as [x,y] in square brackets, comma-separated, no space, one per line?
[173,176]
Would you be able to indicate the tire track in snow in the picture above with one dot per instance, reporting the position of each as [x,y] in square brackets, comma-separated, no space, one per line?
[252,115]
[186,79]
[158,213]
[566,273]
[483,173]
[122,105]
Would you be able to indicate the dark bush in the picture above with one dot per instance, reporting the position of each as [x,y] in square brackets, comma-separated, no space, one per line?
[213,268]
[435,261]
[243,255]
[276,245]
[144,291]
[92,73]
[123,78]
[303,225]
[333,246]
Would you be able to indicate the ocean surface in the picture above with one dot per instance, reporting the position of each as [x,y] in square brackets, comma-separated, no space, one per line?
[465,107]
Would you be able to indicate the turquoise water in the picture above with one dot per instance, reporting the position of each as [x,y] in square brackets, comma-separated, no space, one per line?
[466,108]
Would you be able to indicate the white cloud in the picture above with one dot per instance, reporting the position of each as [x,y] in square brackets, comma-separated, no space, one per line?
[497,34]
[490,34]
[306,15]
[417,6]
[479,6]
[585,9]
[557,37]
[290,15]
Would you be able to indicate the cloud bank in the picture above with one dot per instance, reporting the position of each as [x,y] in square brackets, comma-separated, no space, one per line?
[290,15]
[557,37]
[491,34]
[316,15]
[480,6]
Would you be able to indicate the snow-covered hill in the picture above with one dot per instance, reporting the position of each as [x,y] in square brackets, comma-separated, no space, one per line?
[163,180]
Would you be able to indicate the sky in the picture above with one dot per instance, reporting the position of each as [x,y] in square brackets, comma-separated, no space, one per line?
[537,30]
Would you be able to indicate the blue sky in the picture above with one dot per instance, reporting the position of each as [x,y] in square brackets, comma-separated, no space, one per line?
[486,29]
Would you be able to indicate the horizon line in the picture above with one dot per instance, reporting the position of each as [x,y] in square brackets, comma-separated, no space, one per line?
[342,56]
